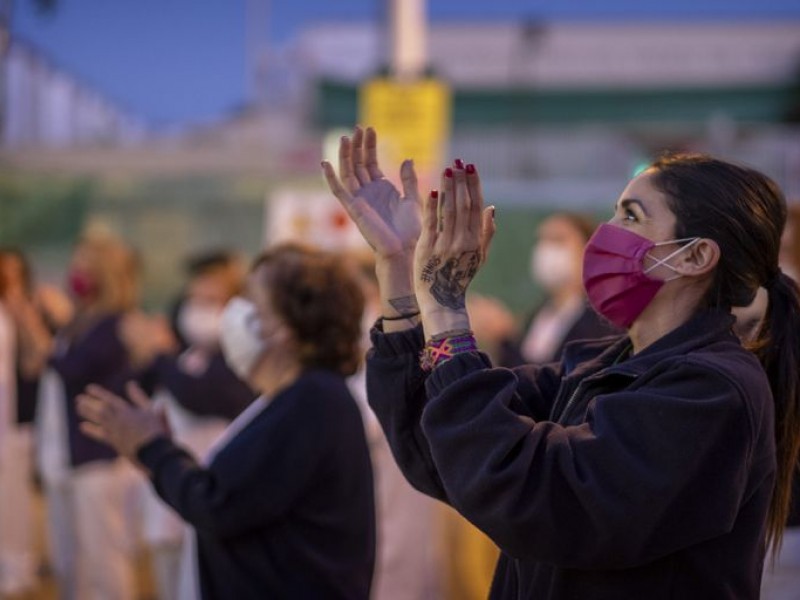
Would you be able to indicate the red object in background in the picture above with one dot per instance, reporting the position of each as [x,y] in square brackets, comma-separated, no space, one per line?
[339,220]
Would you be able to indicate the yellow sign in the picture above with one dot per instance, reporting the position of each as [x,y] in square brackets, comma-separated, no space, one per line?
[412,120]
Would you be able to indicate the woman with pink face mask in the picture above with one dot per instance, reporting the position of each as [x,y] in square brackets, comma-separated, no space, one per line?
[656,464]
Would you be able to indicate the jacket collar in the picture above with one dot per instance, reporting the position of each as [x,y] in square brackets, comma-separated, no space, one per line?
[703,329]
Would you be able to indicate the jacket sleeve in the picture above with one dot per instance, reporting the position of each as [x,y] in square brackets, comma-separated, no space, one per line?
[216,392]
[254,480]
[396,392]
[651,470]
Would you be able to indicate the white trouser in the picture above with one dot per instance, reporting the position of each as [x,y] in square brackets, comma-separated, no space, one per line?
[782,581]
[17,543]
[90,532]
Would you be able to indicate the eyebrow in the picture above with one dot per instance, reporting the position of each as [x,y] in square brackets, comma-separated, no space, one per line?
[628,201]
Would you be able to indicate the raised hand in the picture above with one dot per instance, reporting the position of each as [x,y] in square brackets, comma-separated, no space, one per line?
[454,243]
[389,222]
[123,426]
[145,337]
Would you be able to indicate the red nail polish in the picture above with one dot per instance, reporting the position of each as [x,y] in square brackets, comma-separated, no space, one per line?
[434,194]
[448,172]
[459,163]
[470,168]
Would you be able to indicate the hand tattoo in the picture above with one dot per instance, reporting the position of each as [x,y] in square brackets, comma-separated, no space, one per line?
[450,281]
[427,272]
[405,305]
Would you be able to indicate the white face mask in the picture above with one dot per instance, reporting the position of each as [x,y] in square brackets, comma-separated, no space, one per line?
[200,324]
[553,265]
[240,336]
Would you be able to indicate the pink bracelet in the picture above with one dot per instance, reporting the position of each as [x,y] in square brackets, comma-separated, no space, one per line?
[439,351]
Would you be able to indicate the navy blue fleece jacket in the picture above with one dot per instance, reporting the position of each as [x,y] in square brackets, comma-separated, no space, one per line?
[603,476]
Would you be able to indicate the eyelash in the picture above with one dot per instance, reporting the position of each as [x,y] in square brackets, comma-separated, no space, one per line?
[629,213]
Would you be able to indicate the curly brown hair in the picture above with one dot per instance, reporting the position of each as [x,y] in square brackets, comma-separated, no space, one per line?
[318,296]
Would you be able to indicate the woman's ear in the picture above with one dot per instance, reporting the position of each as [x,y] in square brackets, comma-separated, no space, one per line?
[700,259]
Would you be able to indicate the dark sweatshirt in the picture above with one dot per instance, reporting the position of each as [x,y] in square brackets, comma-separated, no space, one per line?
[285,509]
[215,392]
[95,356]
[603,476]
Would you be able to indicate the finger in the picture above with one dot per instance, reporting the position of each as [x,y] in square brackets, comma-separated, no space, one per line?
[371,146]
[95,432]
[346,165]
[476,198]
[448,209]
[337,189]
[357,151]
[408,177]
[163,418]
[137,396]
[488,229]
[461,233]
[430,220]
[92,409]
[114,405]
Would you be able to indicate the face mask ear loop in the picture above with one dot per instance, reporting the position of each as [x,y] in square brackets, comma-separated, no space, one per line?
[663,261]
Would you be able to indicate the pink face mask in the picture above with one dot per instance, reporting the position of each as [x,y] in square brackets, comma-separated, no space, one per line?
[81,284]
[617,283]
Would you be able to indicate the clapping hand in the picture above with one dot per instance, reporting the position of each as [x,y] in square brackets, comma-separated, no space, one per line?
[390,222]
[124,426]
[455,239]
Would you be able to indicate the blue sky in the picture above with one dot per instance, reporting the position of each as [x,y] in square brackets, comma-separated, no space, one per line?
[182,61]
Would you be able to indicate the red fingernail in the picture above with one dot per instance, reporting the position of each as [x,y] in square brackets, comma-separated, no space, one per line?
[448,172]
[470,168]
[434,194]
[459,163]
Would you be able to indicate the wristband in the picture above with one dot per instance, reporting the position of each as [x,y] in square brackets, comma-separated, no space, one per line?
[439,351]
[402,316]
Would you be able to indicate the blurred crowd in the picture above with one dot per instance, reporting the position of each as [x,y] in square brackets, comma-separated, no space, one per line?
[97,512]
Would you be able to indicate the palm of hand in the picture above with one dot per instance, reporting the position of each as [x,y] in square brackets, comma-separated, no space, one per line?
[389,223]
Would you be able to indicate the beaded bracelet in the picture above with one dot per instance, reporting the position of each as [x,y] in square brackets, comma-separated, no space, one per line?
[439,351]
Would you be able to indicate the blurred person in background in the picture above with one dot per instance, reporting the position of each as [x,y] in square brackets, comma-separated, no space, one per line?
[12,549]
[199,392]
[410,553]
[88,489]
[32,314]
[282,506]
[556,264]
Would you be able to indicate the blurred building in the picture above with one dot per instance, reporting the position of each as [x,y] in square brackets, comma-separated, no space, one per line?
[45,106]
[551,104]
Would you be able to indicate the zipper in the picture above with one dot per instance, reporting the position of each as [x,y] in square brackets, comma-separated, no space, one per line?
[570,402]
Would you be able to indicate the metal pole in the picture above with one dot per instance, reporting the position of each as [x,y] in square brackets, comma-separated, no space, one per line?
[408,32]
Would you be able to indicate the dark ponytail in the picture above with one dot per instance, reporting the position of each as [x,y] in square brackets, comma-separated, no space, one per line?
[778,348]
[745,213]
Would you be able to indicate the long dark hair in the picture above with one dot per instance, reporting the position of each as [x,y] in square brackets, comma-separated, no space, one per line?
[744,212]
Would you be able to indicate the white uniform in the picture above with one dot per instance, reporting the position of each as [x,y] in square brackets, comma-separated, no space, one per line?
[17,549]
